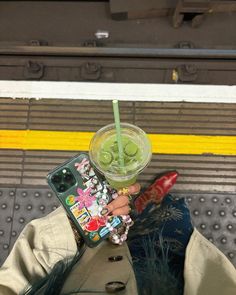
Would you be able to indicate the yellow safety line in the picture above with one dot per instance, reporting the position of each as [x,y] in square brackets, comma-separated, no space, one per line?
[161,143]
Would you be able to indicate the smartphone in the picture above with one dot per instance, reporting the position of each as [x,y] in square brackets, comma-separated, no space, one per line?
[84,194]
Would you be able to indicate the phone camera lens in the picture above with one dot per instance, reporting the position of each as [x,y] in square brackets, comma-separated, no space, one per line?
[68,177]
[62,188]
[56,178]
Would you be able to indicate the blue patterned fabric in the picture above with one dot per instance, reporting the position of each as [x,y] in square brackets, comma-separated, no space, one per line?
[157,242]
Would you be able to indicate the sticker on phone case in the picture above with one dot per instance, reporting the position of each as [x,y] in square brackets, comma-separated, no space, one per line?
[81,215]
[85,169]
[96,223]
[70,200]
[84,218]
[94,184]
[76,211]
[85,198]
[94,236]
[105,230]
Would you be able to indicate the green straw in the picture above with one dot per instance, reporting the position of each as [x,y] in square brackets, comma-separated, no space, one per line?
[118,131]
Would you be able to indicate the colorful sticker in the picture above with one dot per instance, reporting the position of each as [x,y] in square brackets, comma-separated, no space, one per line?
[94,184]
[81,215]
[70,200]
[85,198]
[84,218]
[76,211]
[94,236]
[95,223]
[85,169]
[115,222]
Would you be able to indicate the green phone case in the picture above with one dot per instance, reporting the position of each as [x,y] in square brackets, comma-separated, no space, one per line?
[83,194]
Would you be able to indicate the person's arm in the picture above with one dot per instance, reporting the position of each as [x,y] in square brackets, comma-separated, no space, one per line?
[40,245]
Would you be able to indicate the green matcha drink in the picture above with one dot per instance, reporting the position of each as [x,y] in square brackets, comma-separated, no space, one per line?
[104,154]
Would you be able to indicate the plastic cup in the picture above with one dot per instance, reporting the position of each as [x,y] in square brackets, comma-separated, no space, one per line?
[103,152]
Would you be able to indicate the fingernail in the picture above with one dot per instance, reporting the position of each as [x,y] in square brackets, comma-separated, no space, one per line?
[104,211]
[134,189]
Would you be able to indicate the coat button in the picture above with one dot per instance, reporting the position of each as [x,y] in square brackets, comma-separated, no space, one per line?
[113,287]
[115,258]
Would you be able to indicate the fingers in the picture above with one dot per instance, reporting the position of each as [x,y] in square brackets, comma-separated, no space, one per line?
[134,189]
[131,190]
[125,210]
[120,202]
[120,206]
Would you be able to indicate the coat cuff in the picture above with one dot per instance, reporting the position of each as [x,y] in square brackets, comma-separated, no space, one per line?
[56,239]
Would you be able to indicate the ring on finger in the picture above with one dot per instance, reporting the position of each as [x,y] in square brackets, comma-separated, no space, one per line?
[135,194]
[123,191]
[130,198]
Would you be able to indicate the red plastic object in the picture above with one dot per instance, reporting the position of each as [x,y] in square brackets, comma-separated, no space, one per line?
[157,191]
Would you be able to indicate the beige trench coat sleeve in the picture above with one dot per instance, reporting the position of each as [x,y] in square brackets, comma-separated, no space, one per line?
[40,245]
[207,271]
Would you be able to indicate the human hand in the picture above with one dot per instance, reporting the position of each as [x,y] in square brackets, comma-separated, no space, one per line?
[120,206]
